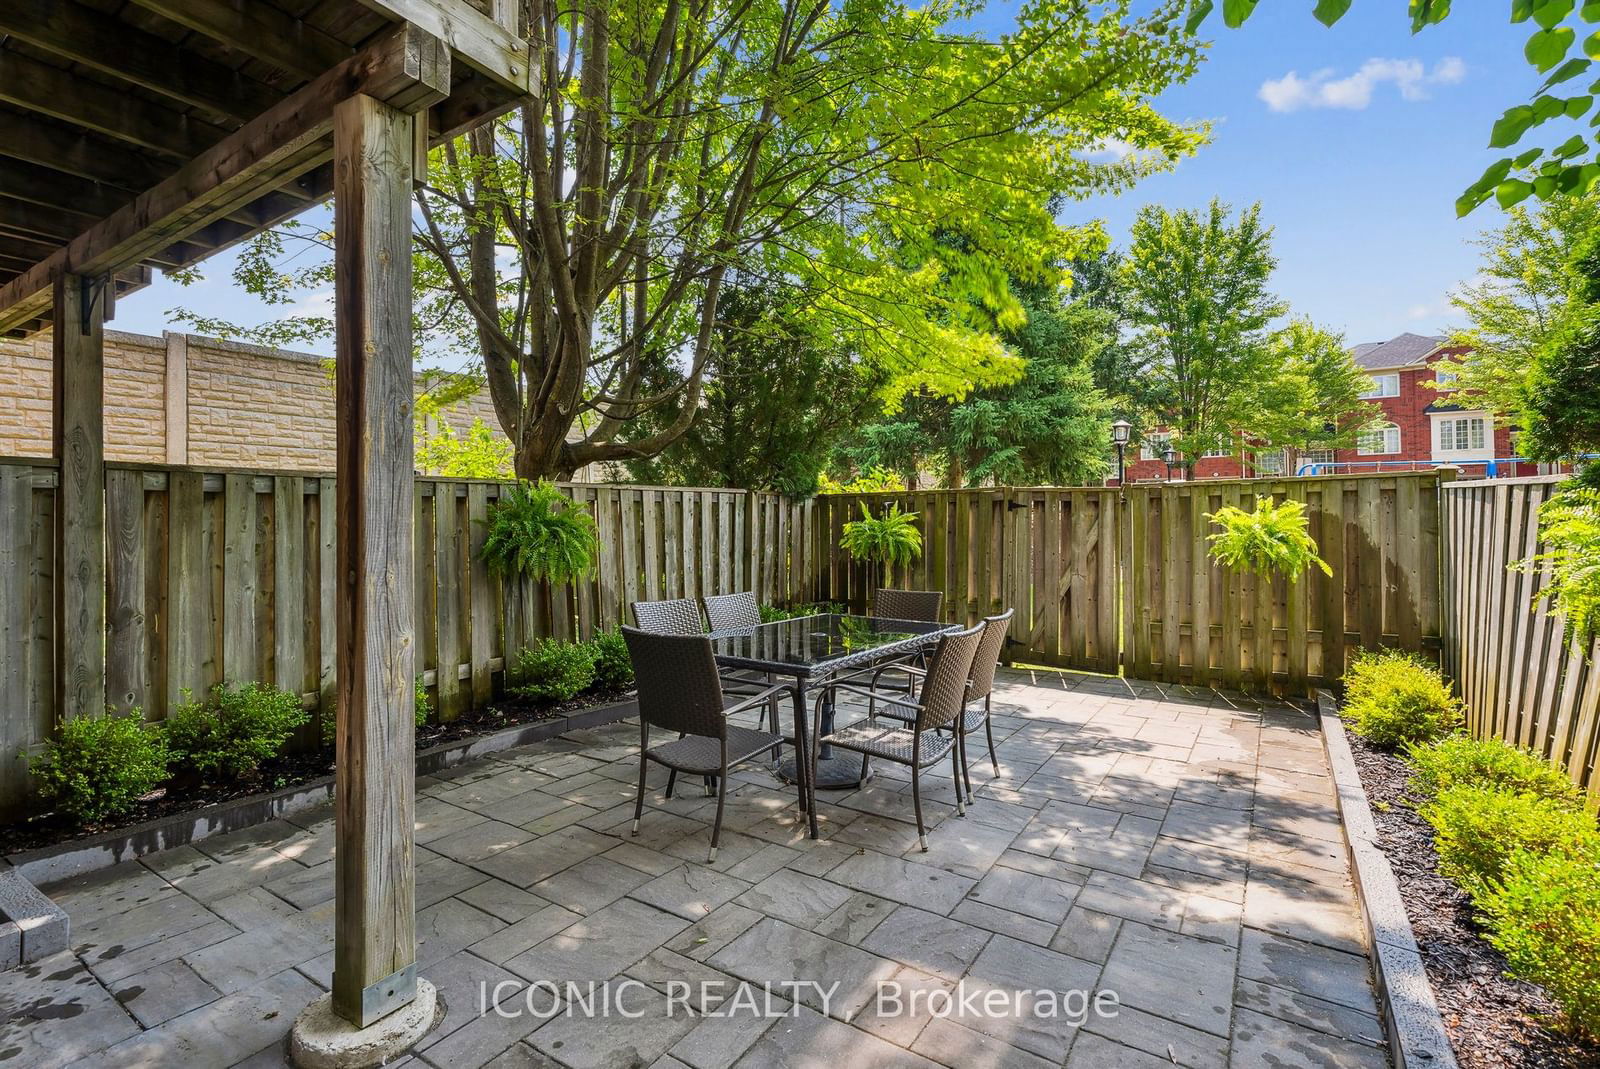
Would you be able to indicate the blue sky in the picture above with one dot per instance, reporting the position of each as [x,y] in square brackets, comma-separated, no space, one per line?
[1358,176]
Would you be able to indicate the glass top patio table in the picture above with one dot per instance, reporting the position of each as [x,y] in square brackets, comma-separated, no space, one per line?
[813,647]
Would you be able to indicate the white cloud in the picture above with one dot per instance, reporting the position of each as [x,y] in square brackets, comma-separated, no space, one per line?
[1108,150]
[1354,92]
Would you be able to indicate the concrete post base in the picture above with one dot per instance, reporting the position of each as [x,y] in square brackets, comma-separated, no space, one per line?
[321,1039]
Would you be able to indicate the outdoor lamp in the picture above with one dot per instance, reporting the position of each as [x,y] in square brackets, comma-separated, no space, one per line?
[1120,430]
[1170,455]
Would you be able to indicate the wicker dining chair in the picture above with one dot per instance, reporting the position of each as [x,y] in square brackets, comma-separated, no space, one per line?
[980,685]
[677,616]
[680,690]
[730,612]
[920,743]
[892,604]
[736,612]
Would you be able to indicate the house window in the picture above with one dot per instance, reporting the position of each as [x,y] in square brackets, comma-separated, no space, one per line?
[1271,463]
[1444,380]
[1154,445]
[1317,456]
[1223,447]
[1386,385]
[1462,434]
[1378,439]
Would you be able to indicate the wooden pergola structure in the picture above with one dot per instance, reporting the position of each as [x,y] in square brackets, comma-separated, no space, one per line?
[141,134]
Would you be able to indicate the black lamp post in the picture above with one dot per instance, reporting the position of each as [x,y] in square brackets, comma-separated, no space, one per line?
[1121,430]
[1170,455]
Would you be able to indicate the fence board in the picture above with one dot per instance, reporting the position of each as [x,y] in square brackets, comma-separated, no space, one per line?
[1520,680]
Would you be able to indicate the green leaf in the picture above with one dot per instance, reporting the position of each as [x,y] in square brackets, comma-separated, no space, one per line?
[1578,106]
[1468,201]
[1566,72]
[1591,46]
[1512,191]
[1546,108]
[1521,10]
[1590,11]
[1527,158]
[1202,9]
[1234,12]
[1549,13]
[1547,47]
[1428,12]
[1510,127]
[1329,12]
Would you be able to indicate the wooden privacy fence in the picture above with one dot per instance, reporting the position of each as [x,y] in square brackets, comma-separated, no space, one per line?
[1100,579]
[1520,681]
[227,575]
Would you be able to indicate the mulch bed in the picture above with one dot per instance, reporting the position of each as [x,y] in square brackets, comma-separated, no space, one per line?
[1493,1021]
[288,770]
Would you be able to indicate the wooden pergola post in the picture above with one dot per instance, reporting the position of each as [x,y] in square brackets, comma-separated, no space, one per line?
[78,375]
[375,928]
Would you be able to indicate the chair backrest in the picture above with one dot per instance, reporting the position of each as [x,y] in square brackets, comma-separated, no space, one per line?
[679,616]
[679,688]
[944,694]
[988,656]
[728,612]
[908,605]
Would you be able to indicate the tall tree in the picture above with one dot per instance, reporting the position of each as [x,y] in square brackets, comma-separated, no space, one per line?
[1049,427]
[1561,399]
[1216,366]
[1517,299]
[777,399]
[580,244]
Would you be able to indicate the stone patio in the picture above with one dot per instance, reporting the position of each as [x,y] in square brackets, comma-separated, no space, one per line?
[1179,848]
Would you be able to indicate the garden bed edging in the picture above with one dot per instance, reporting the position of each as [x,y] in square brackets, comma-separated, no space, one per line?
[61,861]
[1417,1035]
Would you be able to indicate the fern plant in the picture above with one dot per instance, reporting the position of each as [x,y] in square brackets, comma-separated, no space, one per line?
[534,532]
[1272,539]
[889,541]
[1569,528]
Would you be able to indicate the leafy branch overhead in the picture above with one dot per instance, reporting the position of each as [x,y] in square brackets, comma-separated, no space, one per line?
[1553,49]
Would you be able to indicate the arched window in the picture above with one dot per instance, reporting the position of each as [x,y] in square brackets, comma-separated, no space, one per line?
[1377,439]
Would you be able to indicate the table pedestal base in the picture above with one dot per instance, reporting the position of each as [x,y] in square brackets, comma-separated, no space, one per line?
[841,773]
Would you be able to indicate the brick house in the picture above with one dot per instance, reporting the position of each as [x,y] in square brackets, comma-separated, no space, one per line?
[1418,428]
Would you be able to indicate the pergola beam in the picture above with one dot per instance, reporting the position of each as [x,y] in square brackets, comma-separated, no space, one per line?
[405,66]
[114,47]
[259,29]
[119,115]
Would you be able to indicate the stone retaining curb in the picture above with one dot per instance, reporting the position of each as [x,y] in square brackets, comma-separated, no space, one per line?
[1416,1031]
[63,860]
[31,926]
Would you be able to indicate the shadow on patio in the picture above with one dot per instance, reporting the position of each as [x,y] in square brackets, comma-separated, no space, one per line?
[1177,847]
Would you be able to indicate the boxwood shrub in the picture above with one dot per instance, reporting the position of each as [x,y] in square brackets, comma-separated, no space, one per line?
[1459,761]
[1545,918]
[552,670]
[234,729]
[97,767]
[1477,830]
[613,667]
[1393,699]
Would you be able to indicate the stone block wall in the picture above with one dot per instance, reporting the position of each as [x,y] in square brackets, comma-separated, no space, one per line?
[231,404]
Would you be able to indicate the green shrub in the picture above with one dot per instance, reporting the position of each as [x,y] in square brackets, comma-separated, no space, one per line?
[234,729]
[423,708]
[1393,699]
[97,767]
[1476,831]
[553,670]
[1545,918]
[534,532]
[1271,540]
[613,667]
[1459,761]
